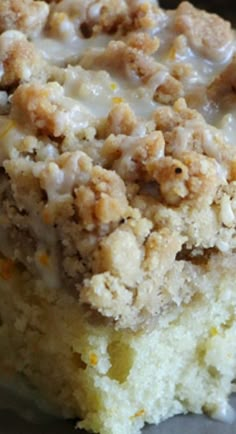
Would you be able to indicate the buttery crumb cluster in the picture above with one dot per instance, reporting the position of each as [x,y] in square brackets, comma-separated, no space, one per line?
[118,161]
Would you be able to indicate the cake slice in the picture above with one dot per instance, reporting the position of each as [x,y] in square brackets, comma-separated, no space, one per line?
[118,210]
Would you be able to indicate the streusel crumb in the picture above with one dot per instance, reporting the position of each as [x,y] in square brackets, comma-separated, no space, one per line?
[207,33]
[20,60]
[107,155]
[26,16]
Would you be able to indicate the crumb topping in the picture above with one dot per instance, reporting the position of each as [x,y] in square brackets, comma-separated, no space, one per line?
[118,162]
[207,33]
[27,16]
[20,60]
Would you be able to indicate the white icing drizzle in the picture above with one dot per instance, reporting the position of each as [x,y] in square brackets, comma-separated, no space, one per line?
[224,413]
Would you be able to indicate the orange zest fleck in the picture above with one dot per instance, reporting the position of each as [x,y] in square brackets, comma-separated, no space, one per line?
[213,331]
[93,359]
[6,268]
[46,216]
[113,86]
[171,54]
[138,413]
[117,100]
[43,259]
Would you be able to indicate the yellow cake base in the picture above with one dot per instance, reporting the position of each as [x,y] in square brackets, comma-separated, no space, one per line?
[115,381]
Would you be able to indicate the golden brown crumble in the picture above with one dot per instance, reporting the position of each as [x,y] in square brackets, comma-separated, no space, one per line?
[108,175]
[143,41]
[45,109]
[21,61]
[223,88]
[207,33]
[169,91]
[28,16]
[120,120]
[128,60]
[109,16]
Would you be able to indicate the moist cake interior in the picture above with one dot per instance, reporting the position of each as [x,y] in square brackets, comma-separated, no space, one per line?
[118,209]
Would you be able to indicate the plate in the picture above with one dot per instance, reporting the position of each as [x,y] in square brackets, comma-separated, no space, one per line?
[11,423]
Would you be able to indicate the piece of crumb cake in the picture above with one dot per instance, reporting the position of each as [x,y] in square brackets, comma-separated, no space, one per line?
[118,209]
